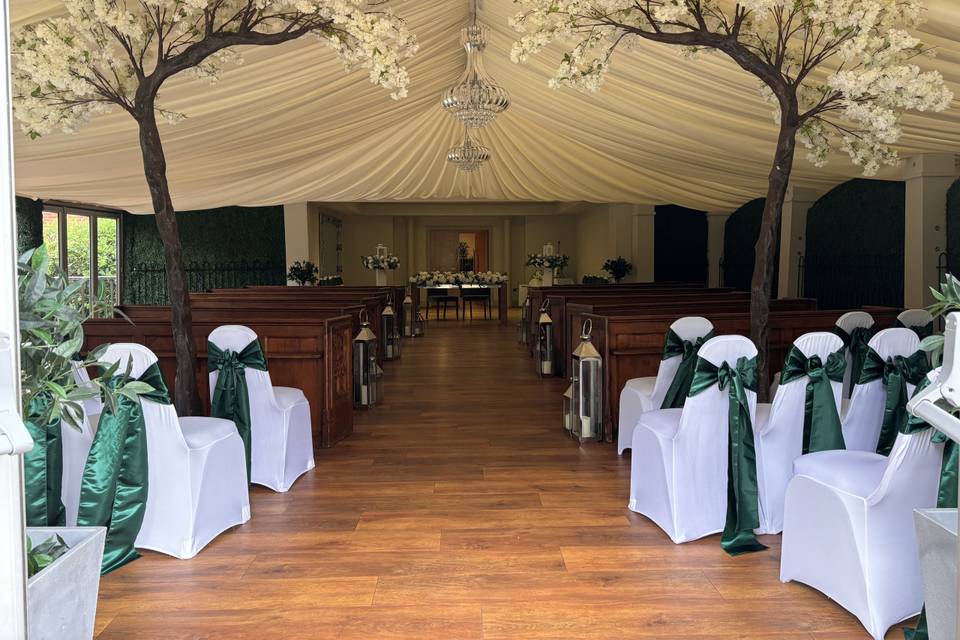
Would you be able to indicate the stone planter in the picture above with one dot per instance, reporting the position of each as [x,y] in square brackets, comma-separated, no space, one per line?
[548,277]
[381,277]
[62,599]
[937,540]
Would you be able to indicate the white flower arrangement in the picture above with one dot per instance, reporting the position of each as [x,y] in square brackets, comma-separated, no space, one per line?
[554,261]
[457,278]
[330,281]
[380,263]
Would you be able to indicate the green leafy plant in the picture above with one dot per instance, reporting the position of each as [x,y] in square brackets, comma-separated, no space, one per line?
[618,268]
[52,312]
[42,556]
[303,273]
[947,300]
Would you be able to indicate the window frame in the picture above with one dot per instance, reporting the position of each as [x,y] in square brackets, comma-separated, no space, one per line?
[92,213]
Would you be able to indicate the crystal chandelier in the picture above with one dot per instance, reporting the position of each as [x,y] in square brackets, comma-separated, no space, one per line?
[476,99]
[469,155]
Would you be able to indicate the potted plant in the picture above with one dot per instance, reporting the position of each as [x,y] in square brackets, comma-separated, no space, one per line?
[551,263]
[303,273]
[592,278]
[618,268]
[62,596]
[464,260]
[379,263]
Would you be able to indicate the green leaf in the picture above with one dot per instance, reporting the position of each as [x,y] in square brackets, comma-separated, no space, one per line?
[137,387]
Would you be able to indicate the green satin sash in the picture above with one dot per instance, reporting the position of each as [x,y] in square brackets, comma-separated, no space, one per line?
[231,398]
[922,330]
[858,342]
[896,373]
[113,492]
[674,346]
[821,423]
[43,468]
[743,510]
[946,496]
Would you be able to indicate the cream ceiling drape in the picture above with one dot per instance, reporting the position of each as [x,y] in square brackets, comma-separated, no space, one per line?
[291,125]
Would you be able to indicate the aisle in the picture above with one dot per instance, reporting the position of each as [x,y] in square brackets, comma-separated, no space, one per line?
[458,510]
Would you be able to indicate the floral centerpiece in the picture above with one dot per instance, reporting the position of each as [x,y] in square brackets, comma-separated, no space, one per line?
[303,273]
[457,278]
[381,262]
[554,261]
[618,268]
[330,281]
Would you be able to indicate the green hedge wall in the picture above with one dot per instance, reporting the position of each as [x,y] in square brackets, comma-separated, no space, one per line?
[679,244]
[953,228]
[29,224]
[739,246]
[854,247]
[224,247]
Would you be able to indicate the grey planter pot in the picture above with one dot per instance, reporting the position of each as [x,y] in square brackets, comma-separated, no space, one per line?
[62,599]
[937,539]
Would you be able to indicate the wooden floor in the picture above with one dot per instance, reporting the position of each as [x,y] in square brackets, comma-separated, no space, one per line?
[459,510]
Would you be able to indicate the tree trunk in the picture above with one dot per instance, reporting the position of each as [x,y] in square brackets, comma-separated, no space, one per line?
[761,285]
[187,399]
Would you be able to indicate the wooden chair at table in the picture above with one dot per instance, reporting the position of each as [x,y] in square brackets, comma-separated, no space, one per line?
[441,296]
[480,295]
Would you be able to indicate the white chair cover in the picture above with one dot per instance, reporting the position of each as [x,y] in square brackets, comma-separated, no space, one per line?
[76,446]
[197,472]
[848,322]
[915,317]
[281,438]
[678,470]
[646,394]
[861,425]
[778,432]
[848,528]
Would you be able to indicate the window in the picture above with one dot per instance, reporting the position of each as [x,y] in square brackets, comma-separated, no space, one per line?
[86,244]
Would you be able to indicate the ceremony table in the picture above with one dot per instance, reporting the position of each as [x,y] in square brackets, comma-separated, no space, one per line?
[500,289]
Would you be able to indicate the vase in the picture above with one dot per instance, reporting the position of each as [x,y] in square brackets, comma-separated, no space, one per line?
[381,277]
[548,277]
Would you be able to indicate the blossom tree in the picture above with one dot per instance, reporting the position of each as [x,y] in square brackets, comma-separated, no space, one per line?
[108,54]
[838,73]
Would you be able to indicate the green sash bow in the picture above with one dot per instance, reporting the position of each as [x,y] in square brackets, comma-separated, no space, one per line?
[946,496]
[113,492]
[675,346]
[858,342]
[922,330]
[231,398]
[743,511]
[821,422]
[43,468]
[896,373]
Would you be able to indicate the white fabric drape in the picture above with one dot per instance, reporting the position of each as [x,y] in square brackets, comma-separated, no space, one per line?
[291,125]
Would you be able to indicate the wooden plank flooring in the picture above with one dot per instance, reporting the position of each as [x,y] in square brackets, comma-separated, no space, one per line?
[458,510]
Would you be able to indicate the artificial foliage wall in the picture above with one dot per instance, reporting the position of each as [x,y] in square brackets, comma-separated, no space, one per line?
[953,228]
[854,245]
[739,247]
[222,248]
[679,244]
[29,224]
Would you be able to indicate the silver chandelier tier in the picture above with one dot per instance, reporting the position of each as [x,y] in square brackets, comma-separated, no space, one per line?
[476,100]
[469,155]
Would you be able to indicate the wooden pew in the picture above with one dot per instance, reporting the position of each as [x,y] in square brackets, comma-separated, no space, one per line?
[574,311]
[538,295]
[311,352]
[631,345]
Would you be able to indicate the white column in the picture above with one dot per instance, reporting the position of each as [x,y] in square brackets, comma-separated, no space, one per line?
[928,178]
[507,253]
[411,246]
[620,241]
[716,227]
[301,232]
[642,249]
[793,237]
[13,571]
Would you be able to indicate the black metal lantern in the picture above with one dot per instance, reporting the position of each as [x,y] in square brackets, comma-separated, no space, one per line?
[408,317]
[587,388]
[365,367]
[419,326]
[544,346]
[390,333]
[524,328]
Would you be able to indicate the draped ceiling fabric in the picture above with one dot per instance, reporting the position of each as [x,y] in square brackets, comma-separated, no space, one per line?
[290,125]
